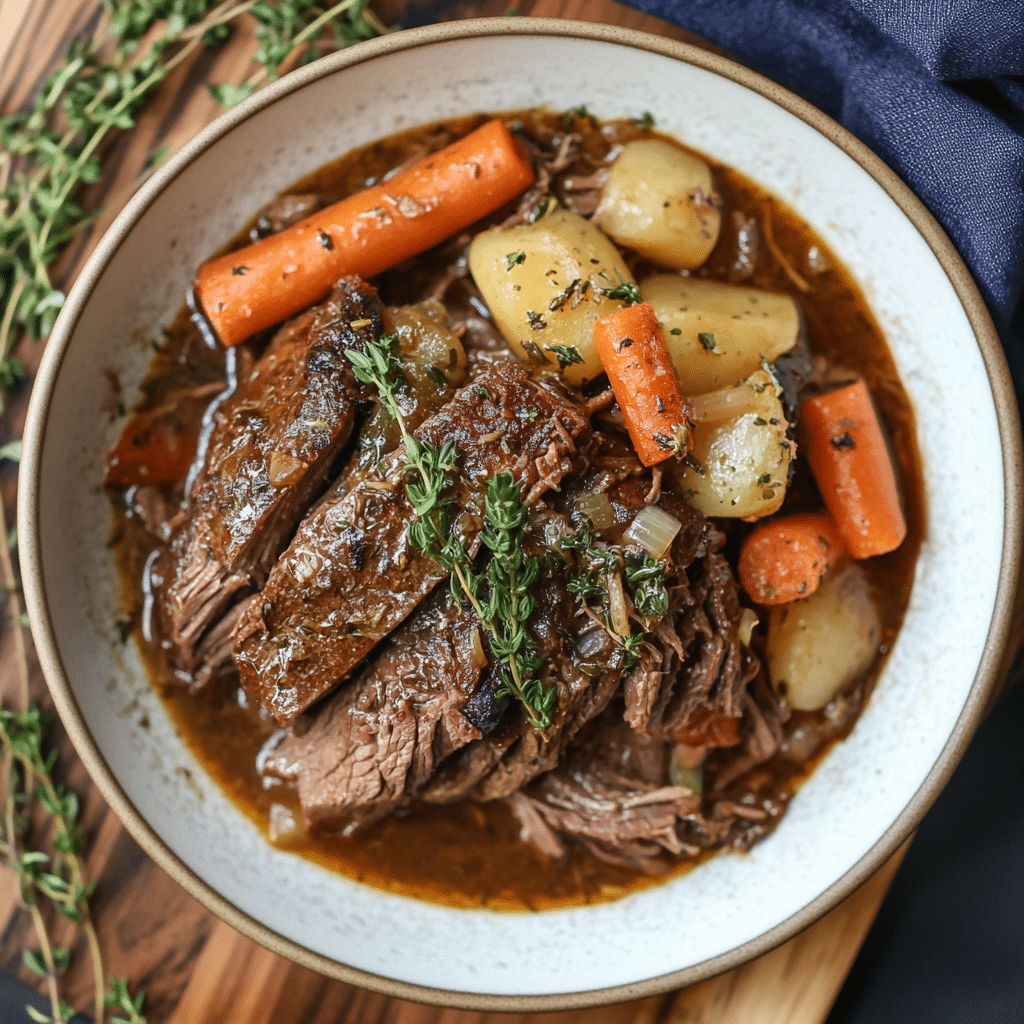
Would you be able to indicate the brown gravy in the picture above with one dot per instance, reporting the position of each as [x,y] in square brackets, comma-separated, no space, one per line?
[470,854]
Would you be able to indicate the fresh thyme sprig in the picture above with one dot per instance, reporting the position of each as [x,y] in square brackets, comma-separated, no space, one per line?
[51,151]
[510,575]
[500,595]
[644,578]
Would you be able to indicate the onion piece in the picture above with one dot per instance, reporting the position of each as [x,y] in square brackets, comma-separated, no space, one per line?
[748,620]
[598,509]
[654,530]
[617,611]
[478,655]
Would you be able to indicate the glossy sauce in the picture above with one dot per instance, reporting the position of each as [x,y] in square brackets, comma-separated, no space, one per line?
[470,854]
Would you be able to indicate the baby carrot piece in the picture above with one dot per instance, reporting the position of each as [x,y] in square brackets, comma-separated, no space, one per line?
[785,559]
[632,350]
[850,459]
[151,450]
[258,286]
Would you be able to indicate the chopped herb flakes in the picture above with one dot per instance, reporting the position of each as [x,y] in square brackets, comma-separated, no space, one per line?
[239,271]
[760,421]
[513,259]
[569,117]
[645,122]
[566,354]
[675,330]
[624,291]
[708,341]
[539,210]
[325,239]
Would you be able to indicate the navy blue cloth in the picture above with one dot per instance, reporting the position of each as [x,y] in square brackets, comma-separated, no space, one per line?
[934,87]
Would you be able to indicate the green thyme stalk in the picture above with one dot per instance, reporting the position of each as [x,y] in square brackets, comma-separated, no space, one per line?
[500,595]
[644,577]
[49,153]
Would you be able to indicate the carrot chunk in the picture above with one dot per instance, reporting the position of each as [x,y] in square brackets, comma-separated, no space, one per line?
[784,559]
[849,456]
[706,728]
[632,350]
[151,450]
[267,282]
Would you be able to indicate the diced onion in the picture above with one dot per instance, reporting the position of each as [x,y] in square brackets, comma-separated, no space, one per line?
[281,824]
[748,620]
[478,655]
[654,530]
[618,612]
[598,509]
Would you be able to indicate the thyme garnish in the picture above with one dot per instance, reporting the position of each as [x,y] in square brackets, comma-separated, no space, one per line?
[644,578]
[499,595]
[624,291]
[566,354]
[51,151]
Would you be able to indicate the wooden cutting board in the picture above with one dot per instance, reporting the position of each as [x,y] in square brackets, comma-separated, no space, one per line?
[194,967]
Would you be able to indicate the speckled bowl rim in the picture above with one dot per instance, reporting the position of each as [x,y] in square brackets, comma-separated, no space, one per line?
[987,676]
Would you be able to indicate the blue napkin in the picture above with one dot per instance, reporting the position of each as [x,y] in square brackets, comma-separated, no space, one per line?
[934,87]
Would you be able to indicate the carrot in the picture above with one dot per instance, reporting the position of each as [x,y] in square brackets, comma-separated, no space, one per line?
[258,286]
[632,350]
[151,450]
[784,559]
[706,728]
[850,459]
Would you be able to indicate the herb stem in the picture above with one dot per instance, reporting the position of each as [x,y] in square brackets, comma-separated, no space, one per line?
[44,945]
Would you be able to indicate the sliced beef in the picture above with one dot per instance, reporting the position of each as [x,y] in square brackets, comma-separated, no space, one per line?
[612,794]
[268,450]
[690,684]
[376,742]
[351,574]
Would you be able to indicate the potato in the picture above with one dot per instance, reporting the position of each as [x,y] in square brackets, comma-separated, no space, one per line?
[743,324]
[739,439]
[819,645]
[660,201]
[543,283]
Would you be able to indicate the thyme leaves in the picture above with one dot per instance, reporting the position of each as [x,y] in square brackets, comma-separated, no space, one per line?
[499,594]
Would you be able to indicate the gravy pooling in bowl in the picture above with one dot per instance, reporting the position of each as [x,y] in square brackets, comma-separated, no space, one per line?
[471,852]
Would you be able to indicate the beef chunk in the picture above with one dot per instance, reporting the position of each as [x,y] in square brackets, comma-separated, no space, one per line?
[612,794]
[351,575]
[693,672]
[376,742]
[270,445]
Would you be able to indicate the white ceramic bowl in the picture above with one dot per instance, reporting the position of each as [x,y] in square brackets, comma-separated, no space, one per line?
[870,790]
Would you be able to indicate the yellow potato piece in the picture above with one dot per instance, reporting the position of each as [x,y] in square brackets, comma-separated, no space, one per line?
[819,645]
[744,323]
[660,201]
[544,285]
[739,439]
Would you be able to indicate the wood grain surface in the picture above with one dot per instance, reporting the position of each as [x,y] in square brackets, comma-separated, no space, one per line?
[193,967]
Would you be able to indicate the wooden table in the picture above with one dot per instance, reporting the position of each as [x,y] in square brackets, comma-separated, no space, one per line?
[194,967]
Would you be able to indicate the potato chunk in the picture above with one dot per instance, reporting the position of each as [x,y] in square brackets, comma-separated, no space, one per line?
[738,325]
[740,441]
[660,201]
[819,645]
[544,284]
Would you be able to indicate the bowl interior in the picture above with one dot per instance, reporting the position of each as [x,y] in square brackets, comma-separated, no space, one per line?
[863,785]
